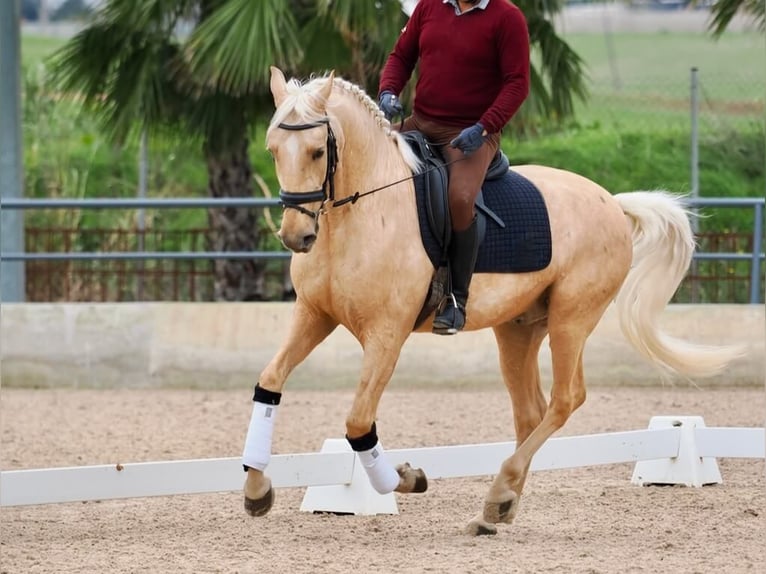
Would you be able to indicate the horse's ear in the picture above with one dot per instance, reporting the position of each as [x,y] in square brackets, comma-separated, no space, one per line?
[278,85]
[327,88]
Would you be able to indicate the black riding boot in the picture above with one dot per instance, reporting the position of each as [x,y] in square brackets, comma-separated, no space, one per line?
[462,254]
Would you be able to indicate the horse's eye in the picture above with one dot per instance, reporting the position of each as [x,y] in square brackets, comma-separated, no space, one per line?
[317,154]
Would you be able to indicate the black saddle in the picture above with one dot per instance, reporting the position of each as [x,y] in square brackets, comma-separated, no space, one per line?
[435,180]
[514,229]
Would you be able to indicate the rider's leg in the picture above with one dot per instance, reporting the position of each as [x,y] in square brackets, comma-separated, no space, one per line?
[466,177]
[462,252]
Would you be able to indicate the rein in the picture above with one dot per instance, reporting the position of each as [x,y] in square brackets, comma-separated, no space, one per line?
[353,198]
[295,199]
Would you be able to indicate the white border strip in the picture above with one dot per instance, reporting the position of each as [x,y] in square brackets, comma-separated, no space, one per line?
[734,442]
[104,482]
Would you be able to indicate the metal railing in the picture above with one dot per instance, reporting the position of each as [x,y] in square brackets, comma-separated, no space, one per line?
[173,203]
[756,256]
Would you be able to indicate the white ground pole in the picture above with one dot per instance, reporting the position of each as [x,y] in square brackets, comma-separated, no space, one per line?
[681,449]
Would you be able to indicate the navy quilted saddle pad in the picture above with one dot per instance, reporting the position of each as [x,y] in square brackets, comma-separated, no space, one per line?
[523,245]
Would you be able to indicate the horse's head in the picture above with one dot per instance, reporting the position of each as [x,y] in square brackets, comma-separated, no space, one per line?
[303,144]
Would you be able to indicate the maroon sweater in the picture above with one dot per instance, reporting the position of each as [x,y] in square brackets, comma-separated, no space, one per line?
[473,67]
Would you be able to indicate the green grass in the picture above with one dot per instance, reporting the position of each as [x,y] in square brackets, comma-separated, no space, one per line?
[646,85]
[732,68]
[34,49]
[731,163]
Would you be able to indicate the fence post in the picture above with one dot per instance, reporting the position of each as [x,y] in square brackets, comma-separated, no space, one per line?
[695,185]
[755,264]
[11,173]
[694,161]
[143,183]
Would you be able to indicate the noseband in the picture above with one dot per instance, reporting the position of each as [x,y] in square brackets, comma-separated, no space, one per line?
[295,199]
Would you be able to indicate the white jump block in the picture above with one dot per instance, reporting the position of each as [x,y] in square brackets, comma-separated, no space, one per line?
[687,468]
[357,497]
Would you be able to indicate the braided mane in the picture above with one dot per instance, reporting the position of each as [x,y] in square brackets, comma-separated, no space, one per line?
[303,99]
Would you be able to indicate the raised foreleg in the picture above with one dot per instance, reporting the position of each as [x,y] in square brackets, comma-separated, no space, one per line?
[309,328]
[380,356]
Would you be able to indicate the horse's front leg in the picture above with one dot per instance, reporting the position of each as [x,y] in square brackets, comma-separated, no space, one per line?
[309,328]
[380,357]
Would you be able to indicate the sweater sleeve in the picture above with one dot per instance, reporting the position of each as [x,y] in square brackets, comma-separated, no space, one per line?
[513,46]
[402,60]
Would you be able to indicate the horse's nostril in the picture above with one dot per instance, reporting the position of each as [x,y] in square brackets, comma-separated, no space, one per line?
[308,240]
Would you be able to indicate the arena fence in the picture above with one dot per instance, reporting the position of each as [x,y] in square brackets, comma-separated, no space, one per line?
[749,253]
[673,450]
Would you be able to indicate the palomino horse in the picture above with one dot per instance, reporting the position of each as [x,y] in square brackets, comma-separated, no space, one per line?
[362,265]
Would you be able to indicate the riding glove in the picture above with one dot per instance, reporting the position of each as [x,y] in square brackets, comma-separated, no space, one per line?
[470,139]
[390,105]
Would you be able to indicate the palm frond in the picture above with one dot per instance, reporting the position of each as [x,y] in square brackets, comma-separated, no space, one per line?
[723,11]
[147,15]
[367,30]
[561,73]
[84,63]
[381,19]
[324,48]
[233,48]
[121,73]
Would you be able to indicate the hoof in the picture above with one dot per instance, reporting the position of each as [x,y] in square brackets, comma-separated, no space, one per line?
[411,479]
[502,511]
[260,506]
[479,527]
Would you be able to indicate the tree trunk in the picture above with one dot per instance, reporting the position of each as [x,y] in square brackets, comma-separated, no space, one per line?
[234,228]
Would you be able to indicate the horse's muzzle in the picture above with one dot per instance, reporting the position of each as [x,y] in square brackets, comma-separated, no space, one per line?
[300,243]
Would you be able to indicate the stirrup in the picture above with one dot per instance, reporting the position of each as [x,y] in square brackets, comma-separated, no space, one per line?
[451,318]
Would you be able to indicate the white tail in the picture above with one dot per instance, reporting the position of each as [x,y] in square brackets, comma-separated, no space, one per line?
[663,244]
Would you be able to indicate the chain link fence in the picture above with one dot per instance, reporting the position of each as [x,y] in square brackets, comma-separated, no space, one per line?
[657,75]
[639,62]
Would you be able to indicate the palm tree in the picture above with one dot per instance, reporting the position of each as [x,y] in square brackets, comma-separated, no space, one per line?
[557,72]
[138,70]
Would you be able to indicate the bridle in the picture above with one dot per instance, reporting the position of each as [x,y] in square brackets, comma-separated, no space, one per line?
[295,199]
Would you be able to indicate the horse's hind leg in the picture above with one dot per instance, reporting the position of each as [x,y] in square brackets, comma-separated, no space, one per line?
[309,328]
[567,341]
[518,347]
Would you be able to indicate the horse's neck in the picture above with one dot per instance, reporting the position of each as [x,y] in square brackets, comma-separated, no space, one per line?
[369,252]
[371,160]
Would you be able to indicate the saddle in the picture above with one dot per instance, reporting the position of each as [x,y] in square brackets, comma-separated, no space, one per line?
[512,220]
[435,180]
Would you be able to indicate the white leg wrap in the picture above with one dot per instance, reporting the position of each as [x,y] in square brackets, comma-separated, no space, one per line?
[257,451]
[382,474]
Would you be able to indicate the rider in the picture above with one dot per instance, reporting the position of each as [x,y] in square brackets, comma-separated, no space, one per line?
[473,60]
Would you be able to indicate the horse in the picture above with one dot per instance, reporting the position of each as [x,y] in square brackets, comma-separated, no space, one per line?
[358,261]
